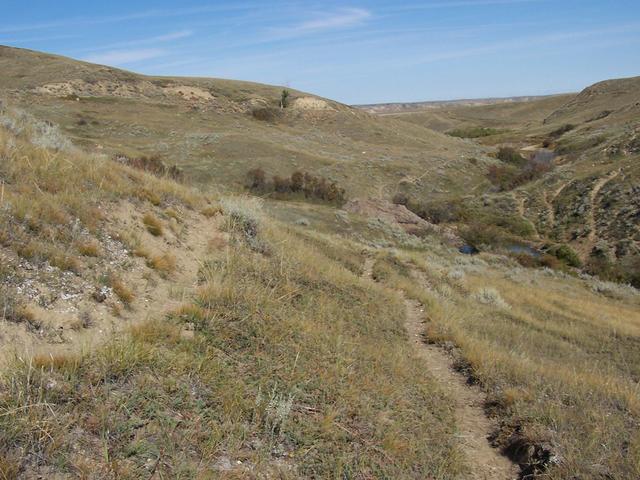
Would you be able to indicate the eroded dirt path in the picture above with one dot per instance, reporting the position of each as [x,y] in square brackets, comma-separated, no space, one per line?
[593,202]
[473,425]
[521,210]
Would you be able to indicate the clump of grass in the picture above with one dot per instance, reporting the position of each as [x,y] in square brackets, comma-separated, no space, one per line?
[12,310]
[153,224]
[9,467]
[490,296]
[124,293]
[244,216]
[89,248]
[60,361]
[164,263]
[211,211]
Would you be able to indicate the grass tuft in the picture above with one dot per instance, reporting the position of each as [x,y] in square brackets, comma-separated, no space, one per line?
[153,224]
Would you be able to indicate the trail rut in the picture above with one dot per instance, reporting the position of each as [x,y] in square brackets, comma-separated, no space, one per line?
[473,425]
[593,201]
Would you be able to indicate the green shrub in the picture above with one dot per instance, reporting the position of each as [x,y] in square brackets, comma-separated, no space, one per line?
[474,132]
[566,254]
[511,156]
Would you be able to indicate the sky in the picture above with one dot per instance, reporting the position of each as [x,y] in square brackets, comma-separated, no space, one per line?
[360,51]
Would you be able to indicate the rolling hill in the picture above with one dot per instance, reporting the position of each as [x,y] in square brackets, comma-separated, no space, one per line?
[588,198]
[217,129]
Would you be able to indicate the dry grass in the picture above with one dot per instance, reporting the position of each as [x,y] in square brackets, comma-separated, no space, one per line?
[50,196]
[89,248]
[560,364]
[211,211]
[124,293]
[164,263]
[294,357]
[152,224]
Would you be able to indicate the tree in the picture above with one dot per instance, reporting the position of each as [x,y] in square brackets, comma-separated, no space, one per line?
[256,179]
[281,185]
[297,181]
[284,98]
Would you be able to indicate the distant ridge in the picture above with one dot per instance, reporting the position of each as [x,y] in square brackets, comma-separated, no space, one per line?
[405,107]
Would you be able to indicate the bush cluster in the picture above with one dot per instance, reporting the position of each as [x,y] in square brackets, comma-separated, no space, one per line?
[517,169]
[153,165]
[301,183]
[474,132]
[434,211]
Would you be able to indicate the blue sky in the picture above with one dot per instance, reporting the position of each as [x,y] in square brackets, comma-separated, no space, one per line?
[360,51]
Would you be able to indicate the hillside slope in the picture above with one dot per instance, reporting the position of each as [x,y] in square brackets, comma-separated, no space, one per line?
[219,129]
[150,329]
[586,198]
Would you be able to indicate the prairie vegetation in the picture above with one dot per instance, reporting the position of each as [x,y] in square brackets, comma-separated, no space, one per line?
[474,132]
[273,354]
[297,184]
[517,170]
[297,369]
[530,338]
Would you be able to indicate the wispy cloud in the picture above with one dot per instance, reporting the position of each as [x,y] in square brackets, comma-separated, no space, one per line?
[168,37]
[18,40]
[125,57]
[342,18]
[347,17]
[560,38]
[460,3]
[142,15]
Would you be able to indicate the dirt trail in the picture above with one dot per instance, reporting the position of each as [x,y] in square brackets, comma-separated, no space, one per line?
[521,210]
[474,427]
[591,219]
[153,294]
[548,201]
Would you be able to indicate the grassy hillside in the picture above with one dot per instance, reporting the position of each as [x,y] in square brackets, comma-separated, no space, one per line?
[586,197]
[276,359]
[505,116]
[219,129]
[154,327]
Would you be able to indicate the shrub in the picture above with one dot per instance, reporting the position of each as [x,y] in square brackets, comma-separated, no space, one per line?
[490,296]
[266,114]
[400,198]
[299,182]
[511,156]
[580,145]
[256,179]
[562,130]
[284,98]
[474,132]
[153,224]
[281,185]
[519,170]
[440,211]
[566,254]
[153,165]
